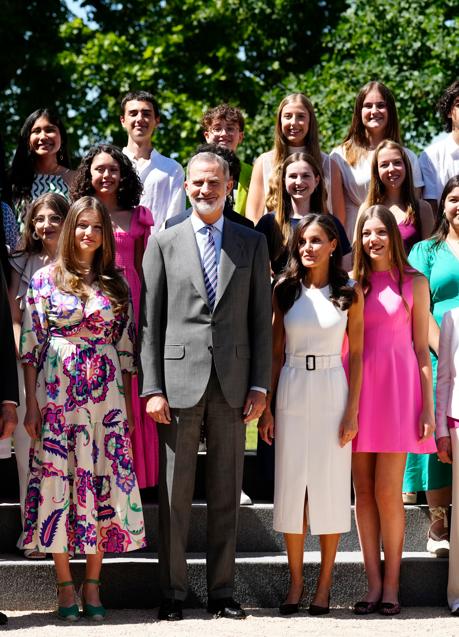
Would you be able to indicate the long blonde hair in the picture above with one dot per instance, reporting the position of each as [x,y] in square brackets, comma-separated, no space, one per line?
[68,273]
[377,190]
[281,147]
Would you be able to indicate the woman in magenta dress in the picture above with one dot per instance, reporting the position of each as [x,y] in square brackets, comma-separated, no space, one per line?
[396,405]
[391,184]
[109,175]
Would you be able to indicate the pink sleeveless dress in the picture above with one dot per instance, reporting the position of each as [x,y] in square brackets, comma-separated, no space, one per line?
[145,437]
[391,398]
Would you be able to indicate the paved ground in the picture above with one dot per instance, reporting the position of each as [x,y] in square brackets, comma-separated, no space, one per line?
[260,623]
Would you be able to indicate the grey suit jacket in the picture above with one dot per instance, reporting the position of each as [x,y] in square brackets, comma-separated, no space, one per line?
[180,336]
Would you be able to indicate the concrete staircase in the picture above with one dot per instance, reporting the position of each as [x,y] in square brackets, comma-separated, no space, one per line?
[131,581]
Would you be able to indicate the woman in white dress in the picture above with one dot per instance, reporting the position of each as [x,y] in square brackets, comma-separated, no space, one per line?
[316,411]
[374,119]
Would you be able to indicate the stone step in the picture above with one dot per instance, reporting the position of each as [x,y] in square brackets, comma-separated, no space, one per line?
[254,484]
[131,581]
[256,532]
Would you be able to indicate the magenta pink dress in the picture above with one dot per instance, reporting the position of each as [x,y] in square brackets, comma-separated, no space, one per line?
[145,436]
[391,398]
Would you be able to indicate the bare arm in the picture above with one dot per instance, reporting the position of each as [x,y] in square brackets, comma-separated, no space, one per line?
[434,334]
[256,195]
[421,304]
[266,422]
[427,218]
[337,192]
[349,423]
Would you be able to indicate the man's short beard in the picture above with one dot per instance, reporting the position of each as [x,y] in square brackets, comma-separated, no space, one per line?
[206,209]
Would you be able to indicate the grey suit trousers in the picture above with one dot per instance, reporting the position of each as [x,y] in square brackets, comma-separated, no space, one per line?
[178,447]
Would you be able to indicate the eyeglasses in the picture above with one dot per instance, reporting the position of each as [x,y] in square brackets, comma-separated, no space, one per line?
[229,130]
[54,220]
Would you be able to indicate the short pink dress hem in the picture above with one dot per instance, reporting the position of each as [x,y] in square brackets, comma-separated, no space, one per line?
[391,396]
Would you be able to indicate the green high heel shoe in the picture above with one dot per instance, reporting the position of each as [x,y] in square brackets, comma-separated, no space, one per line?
[67,613]
[95,613]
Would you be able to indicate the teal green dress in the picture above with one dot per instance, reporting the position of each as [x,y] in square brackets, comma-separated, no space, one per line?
[441,267]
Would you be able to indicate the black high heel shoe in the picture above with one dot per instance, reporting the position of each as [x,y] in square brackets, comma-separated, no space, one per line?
[291,609]
[316,610]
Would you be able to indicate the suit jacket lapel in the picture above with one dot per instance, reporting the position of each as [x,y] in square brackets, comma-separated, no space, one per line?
[230,256]
[189,258]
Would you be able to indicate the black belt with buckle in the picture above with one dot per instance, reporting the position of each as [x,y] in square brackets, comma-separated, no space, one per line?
[310,362]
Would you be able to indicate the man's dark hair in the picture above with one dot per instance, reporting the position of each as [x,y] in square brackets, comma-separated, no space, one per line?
[227,154]
[223,111]
[446,102]
[141,96]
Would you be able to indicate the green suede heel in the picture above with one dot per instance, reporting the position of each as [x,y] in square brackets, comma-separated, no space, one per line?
[68,613]
[95,613]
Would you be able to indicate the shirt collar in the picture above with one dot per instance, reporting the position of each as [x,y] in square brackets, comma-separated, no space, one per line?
[129,154]
[198,223]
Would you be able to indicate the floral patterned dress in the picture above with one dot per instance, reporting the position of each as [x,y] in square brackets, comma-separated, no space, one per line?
[82,493]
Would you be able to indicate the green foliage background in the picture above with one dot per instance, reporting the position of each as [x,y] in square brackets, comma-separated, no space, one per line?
[197,53]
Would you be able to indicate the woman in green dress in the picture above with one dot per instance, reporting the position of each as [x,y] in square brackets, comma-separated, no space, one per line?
[438,259]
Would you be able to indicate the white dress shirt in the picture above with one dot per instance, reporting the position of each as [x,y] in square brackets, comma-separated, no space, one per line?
[163,191]
[439,162]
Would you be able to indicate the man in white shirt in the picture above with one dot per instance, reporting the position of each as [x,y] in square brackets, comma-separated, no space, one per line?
[162,177]
[440,161]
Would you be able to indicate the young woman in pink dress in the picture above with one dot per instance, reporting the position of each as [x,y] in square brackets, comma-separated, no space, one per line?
[109,175]
[396,406]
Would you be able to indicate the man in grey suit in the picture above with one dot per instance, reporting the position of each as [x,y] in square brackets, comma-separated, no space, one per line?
[205,357]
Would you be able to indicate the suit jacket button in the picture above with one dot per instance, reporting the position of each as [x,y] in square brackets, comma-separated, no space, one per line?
[210,348]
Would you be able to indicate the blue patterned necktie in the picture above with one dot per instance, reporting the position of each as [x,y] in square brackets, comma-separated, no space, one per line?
[209,266]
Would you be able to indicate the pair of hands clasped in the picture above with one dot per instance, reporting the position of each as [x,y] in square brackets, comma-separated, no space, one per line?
[347,431]
[255,403]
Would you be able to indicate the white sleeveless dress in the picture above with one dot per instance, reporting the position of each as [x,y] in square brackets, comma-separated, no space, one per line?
[309,407]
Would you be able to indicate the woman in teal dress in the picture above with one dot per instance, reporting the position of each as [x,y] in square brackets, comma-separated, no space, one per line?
[438,259]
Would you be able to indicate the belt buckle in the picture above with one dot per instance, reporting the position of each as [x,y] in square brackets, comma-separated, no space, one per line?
[312,368]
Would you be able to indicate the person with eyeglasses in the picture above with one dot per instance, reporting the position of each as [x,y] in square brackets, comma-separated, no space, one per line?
[37,248]
[224,126]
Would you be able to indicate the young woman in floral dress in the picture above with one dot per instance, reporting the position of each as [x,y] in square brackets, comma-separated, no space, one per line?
[77,351]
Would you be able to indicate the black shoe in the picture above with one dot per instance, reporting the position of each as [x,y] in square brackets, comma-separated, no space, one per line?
[316,610]
[3,619]
[225,607]
[291,609]
[170,610]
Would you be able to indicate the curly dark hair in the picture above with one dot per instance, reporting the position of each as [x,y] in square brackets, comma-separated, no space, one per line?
[446,102]
[227,154]
[288,288]
[130,188]
[222,111]
[23,165]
